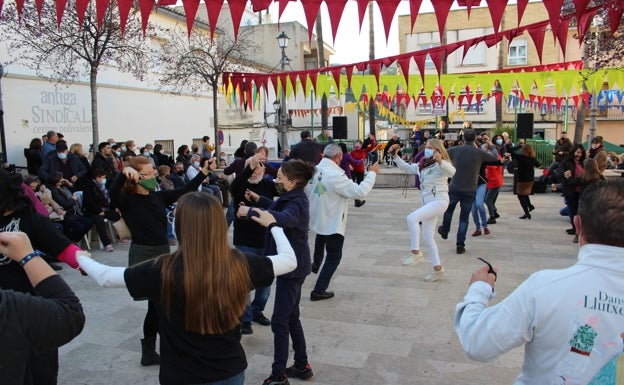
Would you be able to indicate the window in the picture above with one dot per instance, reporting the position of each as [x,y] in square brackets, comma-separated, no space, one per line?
[425,109]
[167,145]
[474,56]
[428,62]
[517,53]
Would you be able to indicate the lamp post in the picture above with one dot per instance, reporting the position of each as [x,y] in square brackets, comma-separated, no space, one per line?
[282,42]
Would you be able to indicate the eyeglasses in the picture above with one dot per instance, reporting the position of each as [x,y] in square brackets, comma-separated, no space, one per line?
[144,176]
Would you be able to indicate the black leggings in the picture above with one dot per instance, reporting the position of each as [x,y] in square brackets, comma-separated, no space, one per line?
[525,202]
[150,325]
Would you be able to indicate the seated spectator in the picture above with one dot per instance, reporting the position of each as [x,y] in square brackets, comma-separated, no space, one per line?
[75,226]
[178,175]
[33,156]
[161,158]
[184,156]
[61,160]
[54,210]
[96,205]
[78,150]
[116,154]
[163,174]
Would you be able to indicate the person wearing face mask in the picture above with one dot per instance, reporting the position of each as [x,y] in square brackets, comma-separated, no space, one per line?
[292,212]
[249,237]
[64,162]
[96,205]
[434,169]
[116,156]
[177,175]
[144,211]
[104,160]
[130,149]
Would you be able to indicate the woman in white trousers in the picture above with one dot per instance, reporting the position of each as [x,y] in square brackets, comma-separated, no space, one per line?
[433,170]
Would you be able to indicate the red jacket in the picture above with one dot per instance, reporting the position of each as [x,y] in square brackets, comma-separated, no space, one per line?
[361,155]
[494,176]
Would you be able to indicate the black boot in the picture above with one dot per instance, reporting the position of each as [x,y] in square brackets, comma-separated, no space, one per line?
[148,352]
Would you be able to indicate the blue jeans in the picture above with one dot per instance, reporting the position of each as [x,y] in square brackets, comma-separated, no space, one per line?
[285,323]
[478,207]
[230,213]
[333,244]
[238,379]
[262,293]
[465,199]
[490,200]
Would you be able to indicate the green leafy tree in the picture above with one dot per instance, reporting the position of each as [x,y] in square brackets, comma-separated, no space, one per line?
[67,53]
[196,64]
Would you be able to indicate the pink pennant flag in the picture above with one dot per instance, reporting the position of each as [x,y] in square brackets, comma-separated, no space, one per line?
[335,8]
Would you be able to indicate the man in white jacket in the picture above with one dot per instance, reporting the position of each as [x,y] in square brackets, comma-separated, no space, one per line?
[329,193]
[570,321]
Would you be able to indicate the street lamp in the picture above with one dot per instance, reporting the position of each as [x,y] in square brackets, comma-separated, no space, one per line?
[282,42]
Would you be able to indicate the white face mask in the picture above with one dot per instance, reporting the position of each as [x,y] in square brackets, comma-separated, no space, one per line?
[62,155]
[195,164]
[103,182]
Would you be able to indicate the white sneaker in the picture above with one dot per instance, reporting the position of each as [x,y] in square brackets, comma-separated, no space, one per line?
[435,275]
[412,259]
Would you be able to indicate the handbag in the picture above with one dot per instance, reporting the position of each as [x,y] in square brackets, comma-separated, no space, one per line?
[122,229]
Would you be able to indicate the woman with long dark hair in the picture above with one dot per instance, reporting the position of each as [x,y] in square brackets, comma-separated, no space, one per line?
[200,291]
[33,156]
[145,212]
[526,176]
[573,170]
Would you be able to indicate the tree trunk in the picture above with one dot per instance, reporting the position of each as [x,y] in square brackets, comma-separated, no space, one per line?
[580,122]
[371,56]
[94,107]
[215,118]
[320,47]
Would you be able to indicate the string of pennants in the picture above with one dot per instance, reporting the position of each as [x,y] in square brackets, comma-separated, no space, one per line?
[387,9]
[290,81]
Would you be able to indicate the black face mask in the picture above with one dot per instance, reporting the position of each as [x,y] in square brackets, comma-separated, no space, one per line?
[180,172]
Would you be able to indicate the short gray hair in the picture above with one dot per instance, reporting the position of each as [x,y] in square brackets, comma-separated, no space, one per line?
[331,151]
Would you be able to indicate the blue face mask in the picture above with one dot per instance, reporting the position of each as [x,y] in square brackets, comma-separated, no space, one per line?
[499,141]
[428,152]
[62,155]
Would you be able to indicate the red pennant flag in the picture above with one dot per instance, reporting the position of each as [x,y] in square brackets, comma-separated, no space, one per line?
[335,8]
[273,79]
[497,9]
[311,9]
[39,6]
[469,4]
[336,74]
[237,8]
[580,6]
[437,56]
[414,9]
[388,9]
[362,5]
[81,9]
[60,9]
[585,97]
[293,80]
[282,7]
[522,4]
[442,9]
[375,67]
[213,9]
[420,62]
[124,10]
[303,78]
[537,35]
[404,63]
[562,35]
[553,7]
[225,79]
[498,95]
[101,6]
[190,10]
[349,71]
[312,75]
[584,23]
[146,8]
[2,3]
[576,100]
[260,5]
[615,16]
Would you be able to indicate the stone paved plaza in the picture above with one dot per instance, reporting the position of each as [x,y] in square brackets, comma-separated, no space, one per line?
[385,325]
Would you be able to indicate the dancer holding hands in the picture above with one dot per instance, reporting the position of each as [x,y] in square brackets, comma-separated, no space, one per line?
[434,170]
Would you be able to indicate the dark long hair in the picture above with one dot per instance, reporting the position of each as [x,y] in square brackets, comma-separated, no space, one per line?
[12,195]
[215,280]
